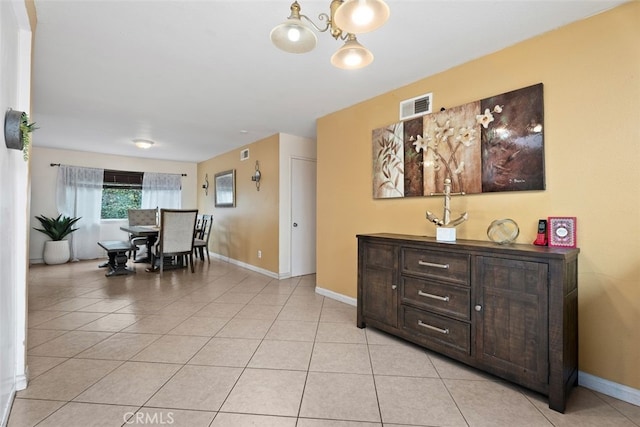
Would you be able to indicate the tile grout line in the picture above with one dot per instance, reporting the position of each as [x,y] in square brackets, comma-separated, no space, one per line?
[248,361]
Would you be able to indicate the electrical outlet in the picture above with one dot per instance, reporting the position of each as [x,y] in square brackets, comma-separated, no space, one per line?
[259,254]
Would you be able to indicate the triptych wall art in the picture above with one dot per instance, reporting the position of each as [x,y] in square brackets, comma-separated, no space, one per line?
[495,144]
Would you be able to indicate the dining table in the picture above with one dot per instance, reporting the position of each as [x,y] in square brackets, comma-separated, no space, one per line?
[150,232]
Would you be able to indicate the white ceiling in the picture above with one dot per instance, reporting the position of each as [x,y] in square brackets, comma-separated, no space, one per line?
[191,75]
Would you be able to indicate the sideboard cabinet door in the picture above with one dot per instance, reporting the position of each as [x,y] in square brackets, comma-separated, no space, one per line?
[512,318]
[378,285]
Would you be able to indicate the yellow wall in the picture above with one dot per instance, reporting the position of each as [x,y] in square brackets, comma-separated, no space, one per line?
[238,233]
[590,71]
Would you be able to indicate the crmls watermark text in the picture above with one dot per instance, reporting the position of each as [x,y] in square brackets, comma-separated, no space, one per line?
[155,418]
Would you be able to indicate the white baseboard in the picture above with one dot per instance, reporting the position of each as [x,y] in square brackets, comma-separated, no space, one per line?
[336,296]
[22,381]
[245,265]
[618,391]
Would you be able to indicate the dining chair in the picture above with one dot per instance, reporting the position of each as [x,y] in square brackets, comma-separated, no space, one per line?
[176,235]
[141,217]
[198,225]
[201,243]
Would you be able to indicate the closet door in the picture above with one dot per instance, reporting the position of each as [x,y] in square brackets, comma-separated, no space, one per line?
[303,217]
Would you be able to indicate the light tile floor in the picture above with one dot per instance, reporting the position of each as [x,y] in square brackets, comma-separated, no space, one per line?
[229,347]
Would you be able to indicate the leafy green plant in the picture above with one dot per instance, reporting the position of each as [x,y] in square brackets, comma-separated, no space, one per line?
[57,228]
[116,202]
[26,128]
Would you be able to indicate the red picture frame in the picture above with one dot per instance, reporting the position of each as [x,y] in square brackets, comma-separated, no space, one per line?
[562,231]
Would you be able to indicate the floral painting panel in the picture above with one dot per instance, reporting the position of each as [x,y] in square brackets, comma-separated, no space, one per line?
[512,141]
[388,161]
[450,145]
[413,168]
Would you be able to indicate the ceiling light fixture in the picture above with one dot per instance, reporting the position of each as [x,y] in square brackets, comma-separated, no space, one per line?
[345,19]
[143,143]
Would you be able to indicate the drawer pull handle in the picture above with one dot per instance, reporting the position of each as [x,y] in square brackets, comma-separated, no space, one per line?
[433,328]
[433,264]
[438,297]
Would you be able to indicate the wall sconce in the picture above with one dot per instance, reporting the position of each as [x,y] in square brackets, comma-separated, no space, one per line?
[206,184]
[256,176]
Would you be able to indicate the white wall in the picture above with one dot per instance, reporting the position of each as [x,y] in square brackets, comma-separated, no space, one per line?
[290,147]
[15,75]
[43,187]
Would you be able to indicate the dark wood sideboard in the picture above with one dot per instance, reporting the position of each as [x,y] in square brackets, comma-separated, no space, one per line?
[510,310]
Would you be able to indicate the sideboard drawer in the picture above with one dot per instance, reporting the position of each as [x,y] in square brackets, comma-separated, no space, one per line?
[452,267]
[445,299]
[429,327]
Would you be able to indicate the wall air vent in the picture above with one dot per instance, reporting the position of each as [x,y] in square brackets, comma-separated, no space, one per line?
[244,154]
[414,107]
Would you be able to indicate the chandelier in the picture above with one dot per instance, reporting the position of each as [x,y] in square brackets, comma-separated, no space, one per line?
[345,19]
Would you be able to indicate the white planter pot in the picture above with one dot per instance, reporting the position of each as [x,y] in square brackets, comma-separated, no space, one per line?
[56,251]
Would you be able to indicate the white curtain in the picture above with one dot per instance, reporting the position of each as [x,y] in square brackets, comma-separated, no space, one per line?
[161,190]
[79,194]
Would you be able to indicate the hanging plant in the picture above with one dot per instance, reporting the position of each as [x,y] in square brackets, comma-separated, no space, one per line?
[17,131]
[26,128]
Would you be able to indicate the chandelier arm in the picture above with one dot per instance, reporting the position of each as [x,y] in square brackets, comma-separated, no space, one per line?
[322,17]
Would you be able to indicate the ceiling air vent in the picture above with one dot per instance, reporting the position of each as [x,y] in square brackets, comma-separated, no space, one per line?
[415,107]
[244,154]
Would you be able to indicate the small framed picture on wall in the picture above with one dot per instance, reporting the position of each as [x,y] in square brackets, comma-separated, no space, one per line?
[225,189]
[562,231]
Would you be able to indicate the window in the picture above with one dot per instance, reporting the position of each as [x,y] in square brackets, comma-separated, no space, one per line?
[121,191]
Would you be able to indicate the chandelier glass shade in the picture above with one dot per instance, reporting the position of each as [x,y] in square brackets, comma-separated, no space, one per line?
[361,16]
[352,55]
[354,16]
[293,35]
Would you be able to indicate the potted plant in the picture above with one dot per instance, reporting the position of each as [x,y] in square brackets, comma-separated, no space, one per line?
[56,250]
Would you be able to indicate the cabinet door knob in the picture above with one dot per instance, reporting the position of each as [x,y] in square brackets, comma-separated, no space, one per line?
[394,287]
[478,308]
